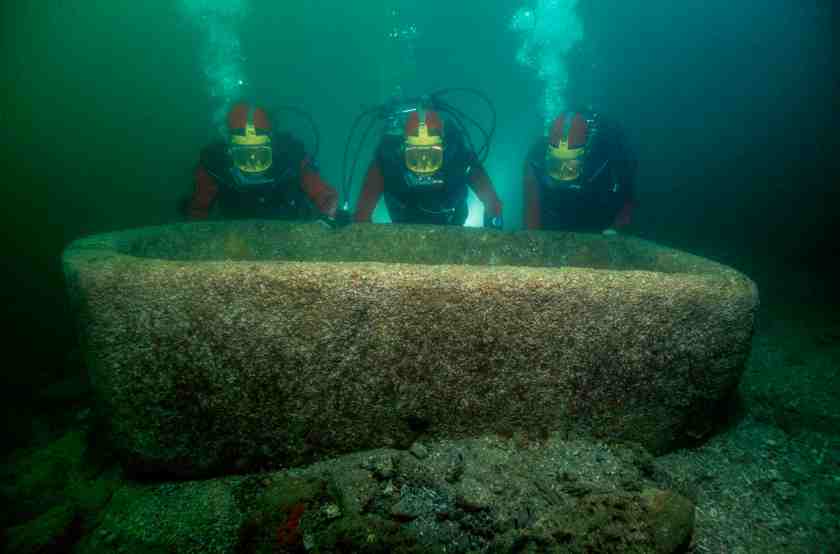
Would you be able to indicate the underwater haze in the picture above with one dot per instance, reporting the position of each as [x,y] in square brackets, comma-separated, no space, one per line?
[106,106]
[730,106]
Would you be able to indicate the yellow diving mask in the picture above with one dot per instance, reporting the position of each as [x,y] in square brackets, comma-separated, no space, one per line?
[423,146]
[251,152]
[563,163]
[563,170]
[251,159]
[424,159]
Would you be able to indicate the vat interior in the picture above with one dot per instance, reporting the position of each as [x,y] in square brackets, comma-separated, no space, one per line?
[276,241]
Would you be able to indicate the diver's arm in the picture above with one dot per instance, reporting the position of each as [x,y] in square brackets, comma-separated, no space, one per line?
[482,186]
[371,192]
[204,194]
[319,191]
[531,200]
[625,165]
[624,216]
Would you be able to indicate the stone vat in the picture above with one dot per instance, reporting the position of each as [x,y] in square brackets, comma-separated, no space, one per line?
[231,346]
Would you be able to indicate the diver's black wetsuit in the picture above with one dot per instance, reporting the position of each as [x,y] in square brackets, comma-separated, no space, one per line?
[439,198]
[602,197]
[290,189]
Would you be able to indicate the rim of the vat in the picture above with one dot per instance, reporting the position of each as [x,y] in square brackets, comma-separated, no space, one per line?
[115,244]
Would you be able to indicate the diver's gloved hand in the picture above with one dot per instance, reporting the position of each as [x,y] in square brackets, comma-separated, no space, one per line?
[609,232]
[493,222]
[341,218]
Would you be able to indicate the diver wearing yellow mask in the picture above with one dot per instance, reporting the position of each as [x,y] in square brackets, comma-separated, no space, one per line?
[250,150]
[425,171]
[257,173]
[580,177]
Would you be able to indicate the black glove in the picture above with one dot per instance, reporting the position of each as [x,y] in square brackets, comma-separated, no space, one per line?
[493,222]
[341,218]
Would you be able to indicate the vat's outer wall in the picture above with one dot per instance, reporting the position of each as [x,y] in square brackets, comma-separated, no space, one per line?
[211,367]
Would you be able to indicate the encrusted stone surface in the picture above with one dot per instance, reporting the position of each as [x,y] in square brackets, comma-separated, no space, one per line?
[219,347]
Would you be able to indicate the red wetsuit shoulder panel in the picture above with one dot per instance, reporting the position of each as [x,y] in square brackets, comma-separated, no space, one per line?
[371,192]
[531,201]
[205,192]
[317,189]
[483,188]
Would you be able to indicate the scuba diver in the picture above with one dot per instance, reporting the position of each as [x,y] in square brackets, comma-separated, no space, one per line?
[425,163]
[259,174]
[580,177]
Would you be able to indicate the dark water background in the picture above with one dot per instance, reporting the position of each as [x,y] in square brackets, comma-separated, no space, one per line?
[104,110]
